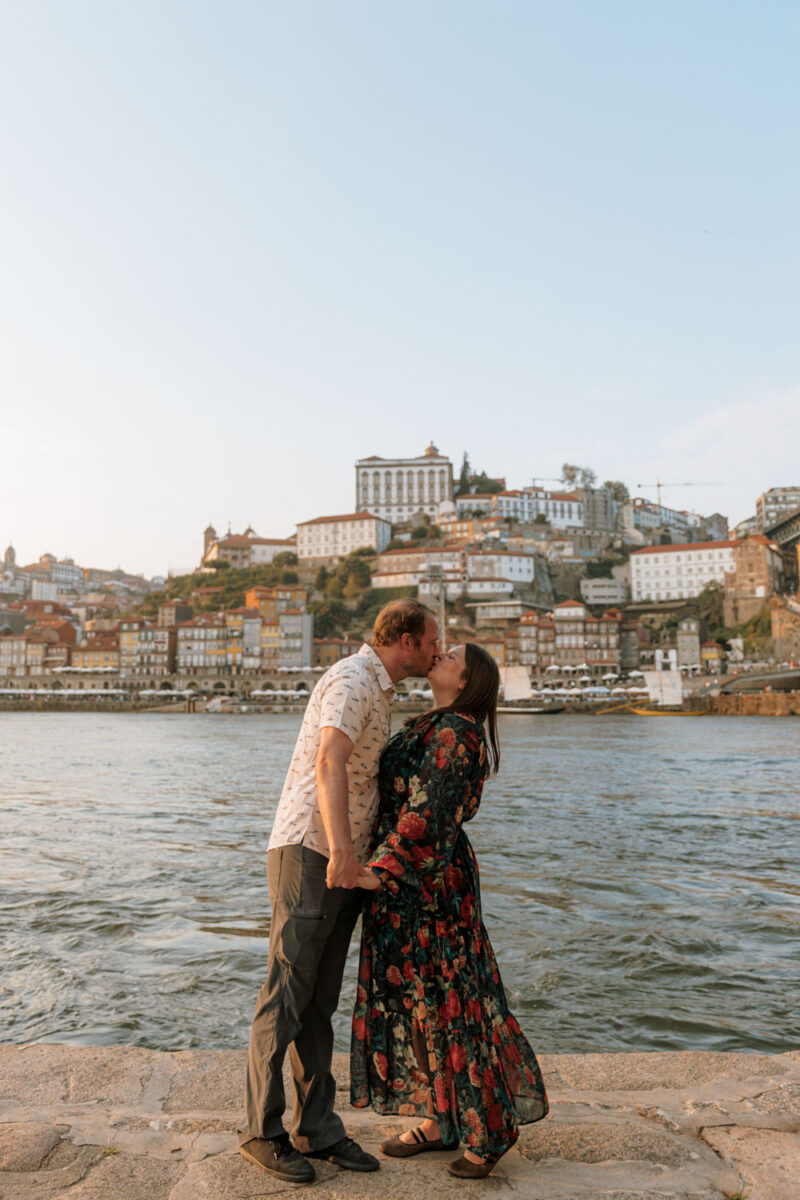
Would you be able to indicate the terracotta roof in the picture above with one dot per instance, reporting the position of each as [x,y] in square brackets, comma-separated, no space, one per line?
[358,516]
[564,496]
[571,604]
[683,546]
[508,553]
[240,541]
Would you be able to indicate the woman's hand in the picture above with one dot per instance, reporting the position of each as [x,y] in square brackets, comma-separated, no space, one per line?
[368,879]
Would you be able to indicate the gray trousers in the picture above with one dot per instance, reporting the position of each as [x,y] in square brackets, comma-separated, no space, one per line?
[308,942]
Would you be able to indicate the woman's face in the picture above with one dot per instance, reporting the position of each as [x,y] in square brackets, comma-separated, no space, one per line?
[448,671]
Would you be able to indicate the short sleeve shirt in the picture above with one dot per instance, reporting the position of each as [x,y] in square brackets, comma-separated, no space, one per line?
[354,695]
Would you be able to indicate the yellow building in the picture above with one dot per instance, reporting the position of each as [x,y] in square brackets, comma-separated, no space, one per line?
[270,645]
[100,654]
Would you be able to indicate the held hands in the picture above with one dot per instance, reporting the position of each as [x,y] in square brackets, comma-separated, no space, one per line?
[368,879]
[343,869]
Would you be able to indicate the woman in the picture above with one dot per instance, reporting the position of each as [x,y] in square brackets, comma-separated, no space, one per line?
[431,1029]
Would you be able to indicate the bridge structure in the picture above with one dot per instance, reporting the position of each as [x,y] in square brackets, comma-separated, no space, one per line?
[785,532]
[775,681]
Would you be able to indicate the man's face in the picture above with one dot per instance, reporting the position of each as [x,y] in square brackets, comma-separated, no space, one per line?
[419,659]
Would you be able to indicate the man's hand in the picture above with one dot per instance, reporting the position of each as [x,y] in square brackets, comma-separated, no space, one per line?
[368,879]
[343,869]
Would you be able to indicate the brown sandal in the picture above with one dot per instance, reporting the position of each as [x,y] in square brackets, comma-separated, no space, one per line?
[395,1148]
[462,1168]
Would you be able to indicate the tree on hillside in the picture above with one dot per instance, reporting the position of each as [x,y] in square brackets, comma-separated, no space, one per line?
[331,617]
[463,479]
[573,475]
[618,490]
[286,558]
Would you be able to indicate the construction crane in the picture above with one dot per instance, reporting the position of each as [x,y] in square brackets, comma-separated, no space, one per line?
[658,485]
[546,479]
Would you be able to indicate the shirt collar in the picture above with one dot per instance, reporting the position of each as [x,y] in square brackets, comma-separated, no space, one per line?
[383,676]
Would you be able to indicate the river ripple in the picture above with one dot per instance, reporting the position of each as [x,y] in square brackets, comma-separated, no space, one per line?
[639,877]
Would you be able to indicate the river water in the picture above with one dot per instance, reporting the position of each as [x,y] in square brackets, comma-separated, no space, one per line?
[639,876]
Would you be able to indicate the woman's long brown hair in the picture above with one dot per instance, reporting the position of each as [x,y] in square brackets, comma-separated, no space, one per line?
[478,697]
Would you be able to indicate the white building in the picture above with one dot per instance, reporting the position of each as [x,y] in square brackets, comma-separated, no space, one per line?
[501,564]
[678,572]
[651,518]
[242,550]
[397,488]
[563,510]
[336,537]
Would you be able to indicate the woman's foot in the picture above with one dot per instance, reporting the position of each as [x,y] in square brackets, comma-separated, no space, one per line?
[427,1136]
[470,1166]
[429,1130]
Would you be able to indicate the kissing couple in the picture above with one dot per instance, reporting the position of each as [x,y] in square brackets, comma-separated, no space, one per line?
[373,825]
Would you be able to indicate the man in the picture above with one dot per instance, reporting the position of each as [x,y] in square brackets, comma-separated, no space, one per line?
[319,841]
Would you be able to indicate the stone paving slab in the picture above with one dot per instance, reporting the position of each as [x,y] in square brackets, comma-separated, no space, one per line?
[122,1123]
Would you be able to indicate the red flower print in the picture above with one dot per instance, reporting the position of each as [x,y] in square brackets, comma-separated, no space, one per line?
[381,1065]
[424,936]
[494,1118]
[453,1004]
[447,737]
[393,975]
[453,877]
[440,1092]
[489,1079]
[408,970]
[412,825]
[399,786]
[458,1057]
[359,1028]
[472,1119]
[394,920]
[474,1074]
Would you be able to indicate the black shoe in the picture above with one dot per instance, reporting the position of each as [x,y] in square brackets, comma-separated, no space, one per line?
[348,1154]
[277,1156]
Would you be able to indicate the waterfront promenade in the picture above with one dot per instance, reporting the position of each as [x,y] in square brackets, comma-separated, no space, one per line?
[122,1123]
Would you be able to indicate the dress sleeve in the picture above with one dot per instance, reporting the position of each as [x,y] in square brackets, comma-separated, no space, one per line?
[447,783]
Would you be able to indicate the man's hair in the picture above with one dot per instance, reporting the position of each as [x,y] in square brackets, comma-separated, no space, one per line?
[399,617]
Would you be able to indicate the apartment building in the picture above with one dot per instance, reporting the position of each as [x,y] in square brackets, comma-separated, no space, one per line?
[146,649]
[774,504]
[679,572]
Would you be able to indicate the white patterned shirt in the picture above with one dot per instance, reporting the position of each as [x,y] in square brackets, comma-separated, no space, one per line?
[354,695]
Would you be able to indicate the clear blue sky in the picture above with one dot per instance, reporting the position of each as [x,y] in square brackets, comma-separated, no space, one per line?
[245,244]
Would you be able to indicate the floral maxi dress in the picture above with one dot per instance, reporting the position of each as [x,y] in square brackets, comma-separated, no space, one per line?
[431,1012]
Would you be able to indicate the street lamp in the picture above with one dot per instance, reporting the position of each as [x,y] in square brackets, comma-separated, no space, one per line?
[436,577]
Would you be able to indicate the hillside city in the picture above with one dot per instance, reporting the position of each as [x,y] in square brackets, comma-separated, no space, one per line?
[561,576]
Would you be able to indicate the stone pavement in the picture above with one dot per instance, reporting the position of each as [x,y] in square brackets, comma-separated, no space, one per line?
[119,1123]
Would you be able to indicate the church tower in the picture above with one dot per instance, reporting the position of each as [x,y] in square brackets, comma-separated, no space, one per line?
[209,536]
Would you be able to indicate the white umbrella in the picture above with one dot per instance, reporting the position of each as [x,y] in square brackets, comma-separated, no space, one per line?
[611,675]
